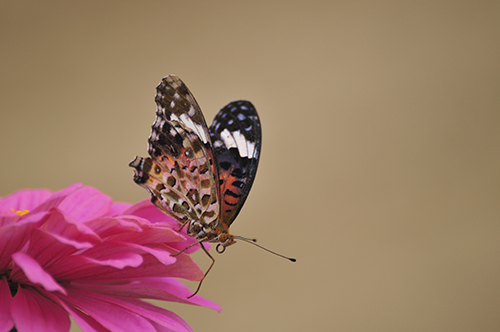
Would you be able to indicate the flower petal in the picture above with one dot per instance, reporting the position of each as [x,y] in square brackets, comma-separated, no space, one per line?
[157,288]
[160,254]
[106,227]
[49,251]
[86,204]
[107,312]
[119,260]
[84,321]
[81,268]
[150,234]
[147,210]
[26,199]
[118,208]
[56,198]
[35,273]
[164,320]
[32,312]
[12,239]
[6,322]
[71,230]
[160,316]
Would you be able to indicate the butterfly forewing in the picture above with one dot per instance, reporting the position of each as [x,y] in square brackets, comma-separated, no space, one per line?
[236,138]
[181,174]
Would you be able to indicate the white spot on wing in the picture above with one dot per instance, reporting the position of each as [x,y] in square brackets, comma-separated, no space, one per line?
[191,111]
[198,129]
[241,142]
[173,117]
[236,140]
[228,139]
[218,143]
[251,149]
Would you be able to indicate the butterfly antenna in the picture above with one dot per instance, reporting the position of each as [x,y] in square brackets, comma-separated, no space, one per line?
[253,241]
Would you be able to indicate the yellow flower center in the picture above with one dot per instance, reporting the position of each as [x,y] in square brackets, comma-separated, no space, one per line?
[21,213]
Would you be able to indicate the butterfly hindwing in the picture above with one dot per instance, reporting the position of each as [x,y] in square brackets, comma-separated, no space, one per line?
[236,138]
[180,173]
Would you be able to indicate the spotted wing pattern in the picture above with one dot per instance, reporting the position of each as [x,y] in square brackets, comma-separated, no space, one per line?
[236,138]
[180,173]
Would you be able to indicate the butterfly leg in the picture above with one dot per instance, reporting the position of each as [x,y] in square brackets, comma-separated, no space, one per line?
[206,273]
[182,226]
[189,246]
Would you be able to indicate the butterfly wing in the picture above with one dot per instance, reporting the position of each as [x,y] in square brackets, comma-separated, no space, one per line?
[236,137]
[180,174]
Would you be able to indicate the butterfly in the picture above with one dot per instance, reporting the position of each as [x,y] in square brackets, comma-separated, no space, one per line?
[199,175]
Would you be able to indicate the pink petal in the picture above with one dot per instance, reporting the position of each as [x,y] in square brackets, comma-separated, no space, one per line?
[159,288]
[147,210]
[12,218]
[160,254]
[75,244]
[35,273]
[118,208]
[109,249]
[158,315]
[80,268]
[7,217]
[26,199]
[6,322]
[105,227]
[34,218]
[150,234]
[84,321]
[56,198]
[107,312]
[48,250]
[86,204]
[12,239]
[119,260]
[164,320]
[67,228]
[32,312]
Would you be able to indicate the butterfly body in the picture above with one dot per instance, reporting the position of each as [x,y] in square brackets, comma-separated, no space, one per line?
[199,175]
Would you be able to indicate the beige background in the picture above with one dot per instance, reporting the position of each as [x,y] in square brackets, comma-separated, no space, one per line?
[380,162]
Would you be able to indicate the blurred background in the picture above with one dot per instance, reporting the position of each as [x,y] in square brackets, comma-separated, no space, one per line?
[380,160]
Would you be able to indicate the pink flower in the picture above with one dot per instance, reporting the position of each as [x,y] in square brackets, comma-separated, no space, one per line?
[76,252]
